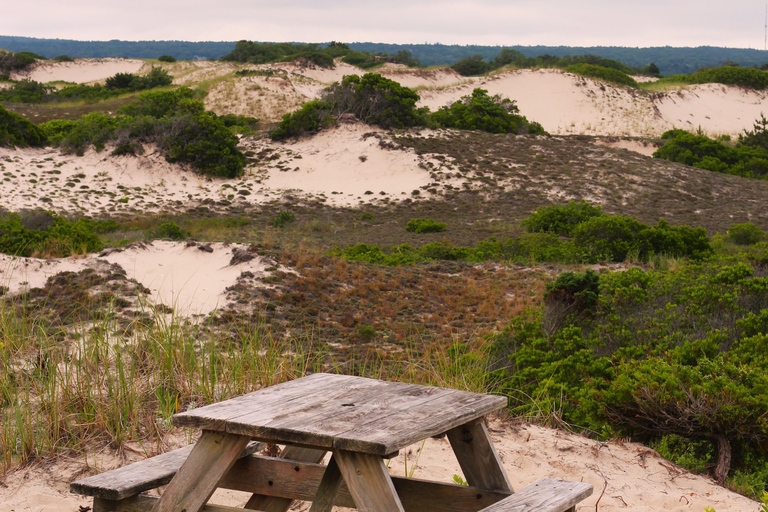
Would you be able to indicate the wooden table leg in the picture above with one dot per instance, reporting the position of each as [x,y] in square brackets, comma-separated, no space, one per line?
[329,487]
[478,458]
[195,481]
[368,481]
[272,504]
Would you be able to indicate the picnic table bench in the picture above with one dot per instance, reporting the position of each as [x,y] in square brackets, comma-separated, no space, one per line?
[361,422]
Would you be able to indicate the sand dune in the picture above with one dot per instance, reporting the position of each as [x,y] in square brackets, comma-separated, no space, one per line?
[81,71]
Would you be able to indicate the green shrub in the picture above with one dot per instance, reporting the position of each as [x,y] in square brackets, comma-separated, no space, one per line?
[607,237]
[310,118]
[745,234]
[48,233]
[425,226]
[166,58]
[25,91]
[377,100]
[171,231]
[17,131]
[157,77]
[561,219]
[479,111]
[10,61]
[172,119]
[471,66]
[577,293]
[283,219]
[601,73]
[63,58]
[729,75]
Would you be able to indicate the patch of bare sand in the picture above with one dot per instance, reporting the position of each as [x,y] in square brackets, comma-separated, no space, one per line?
[192,279]
[563,103]
[349,165]
[715,109]
[80,71]
[627,477]
[342,160]
[643,147]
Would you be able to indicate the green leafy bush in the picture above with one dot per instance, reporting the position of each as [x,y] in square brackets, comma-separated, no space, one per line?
[175,121]
[576,293]
[310,118]
[492,114]
[702,152]
[10,61]
[283,219]
[166,58]
[561,219]
[47,234]
[607,237]
[745,234]
[425,226]
[170,231]
[729,75]
[377,100]
[17,131]
[602,73]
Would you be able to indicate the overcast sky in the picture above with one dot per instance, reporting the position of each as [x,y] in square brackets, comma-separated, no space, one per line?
[734,23]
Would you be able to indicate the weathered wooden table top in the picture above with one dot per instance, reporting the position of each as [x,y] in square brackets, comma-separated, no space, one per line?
[343,412]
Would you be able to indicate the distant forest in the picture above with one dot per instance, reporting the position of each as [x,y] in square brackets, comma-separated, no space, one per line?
[670,61]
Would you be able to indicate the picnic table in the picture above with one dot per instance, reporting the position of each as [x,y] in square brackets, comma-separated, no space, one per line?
[362,422]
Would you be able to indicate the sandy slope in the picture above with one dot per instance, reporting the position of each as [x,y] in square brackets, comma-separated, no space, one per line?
[627,477]
[192,279]
[81,71]
[329,165]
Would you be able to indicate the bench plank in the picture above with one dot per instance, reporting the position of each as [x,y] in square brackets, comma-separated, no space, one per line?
[546,495]
[141,476]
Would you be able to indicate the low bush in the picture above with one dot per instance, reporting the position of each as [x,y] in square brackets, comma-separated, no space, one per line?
[425,226]
[15,130]
[170,231]
[283,219]
[47,234]
[602,73]
[310,118]
[173,120]
[676,357]
[29,91]
[479,111]
[607,237]
[749,161]
[166,58]
[729,75]
[19,61]
[561,219]
[377,100]
[745,234]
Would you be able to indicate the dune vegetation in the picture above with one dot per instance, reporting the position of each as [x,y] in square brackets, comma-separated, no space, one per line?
[599,290]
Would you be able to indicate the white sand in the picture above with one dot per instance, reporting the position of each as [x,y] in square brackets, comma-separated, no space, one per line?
[563,103]
[80,71]
[98,183]
[627,477]
[189,280]
[714,108]
[342,165]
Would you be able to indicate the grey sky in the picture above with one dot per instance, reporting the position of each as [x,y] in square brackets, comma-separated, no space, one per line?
[737,23]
